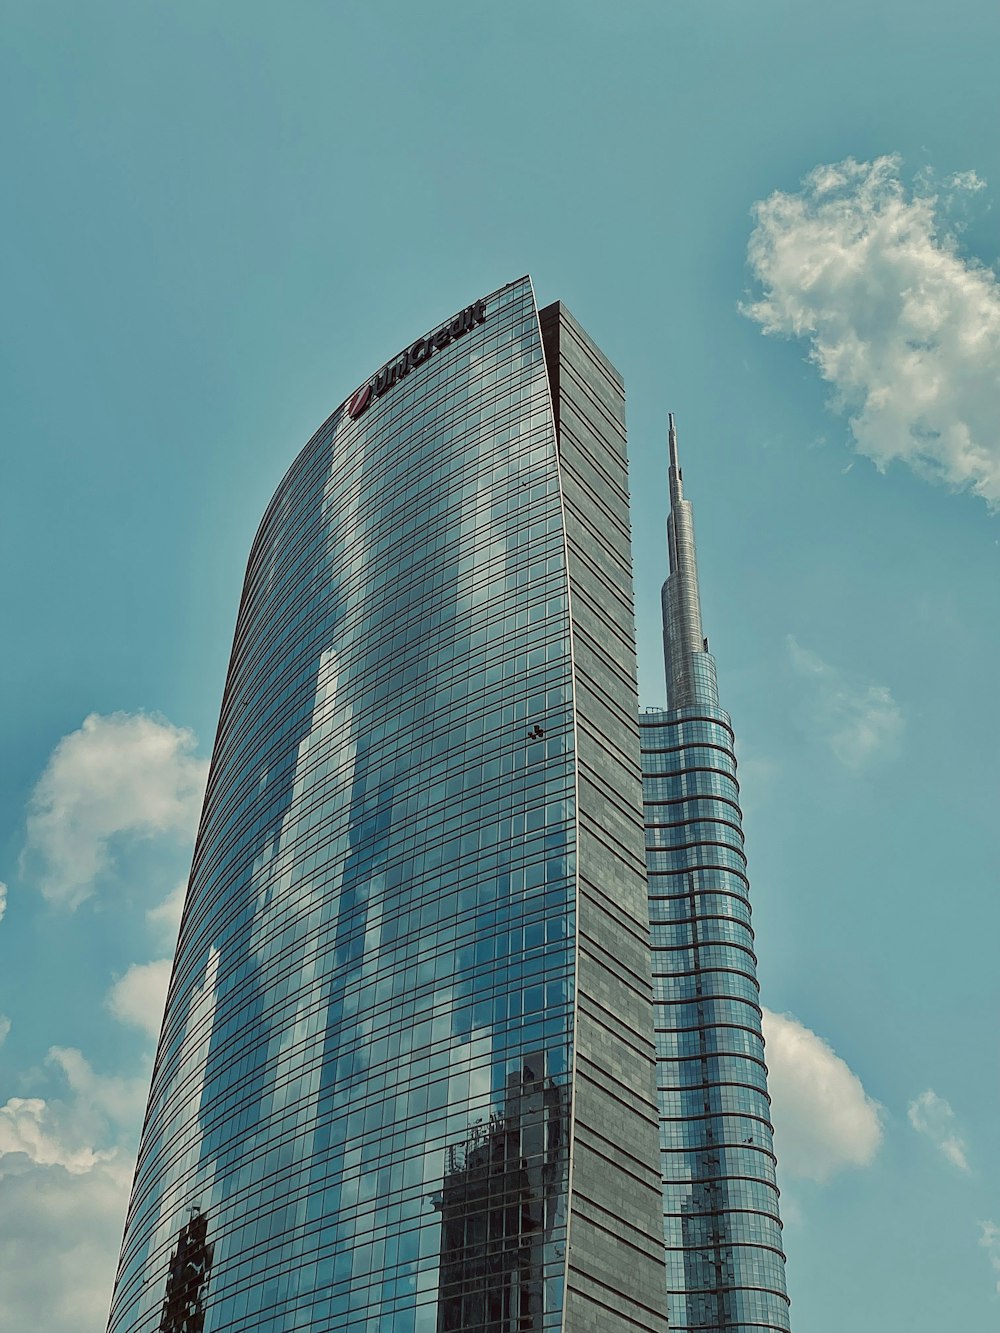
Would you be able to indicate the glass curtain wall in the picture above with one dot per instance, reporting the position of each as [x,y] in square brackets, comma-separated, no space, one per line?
[725,1262]
[360,1101]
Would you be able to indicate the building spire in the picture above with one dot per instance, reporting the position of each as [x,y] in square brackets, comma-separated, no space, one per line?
[689,665]
[675,467]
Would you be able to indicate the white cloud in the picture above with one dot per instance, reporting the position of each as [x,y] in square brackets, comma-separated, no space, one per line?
[123,774]
[905,329]
[932,1115]
[167,915]
[989,1239]
[26,1126]
[76,1131]
[60,1234]
[3,899]
[138,997]
[966,180]
[4,1028]
[65,1170]
[824,1120]
[860,721]
[102,1103]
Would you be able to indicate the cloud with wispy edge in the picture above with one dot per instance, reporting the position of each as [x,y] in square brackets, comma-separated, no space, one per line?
[858,719]
[824,1120]
[869,273]
[989,1239]
[125,775]
[166,916]
[3,899]
[60,1233]
[933,1117]
[66,1165]
[138,997]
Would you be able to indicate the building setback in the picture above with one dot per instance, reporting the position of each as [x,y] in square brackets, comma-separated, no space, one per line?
[725,1263]
[405,1079]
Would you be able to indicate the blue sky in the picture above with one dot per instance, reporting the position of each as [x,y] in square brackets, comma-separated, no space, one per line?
[779,220]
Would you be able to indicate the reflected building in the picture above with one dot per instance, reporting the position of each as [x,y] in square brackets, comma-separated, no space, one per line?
[187,1278]
[412,982]
[503,1203]
[725,1262]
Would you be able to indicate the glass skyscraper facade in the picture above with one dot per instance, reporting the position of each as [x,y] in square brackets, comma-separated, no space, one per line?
[405,1080]
[725,1262]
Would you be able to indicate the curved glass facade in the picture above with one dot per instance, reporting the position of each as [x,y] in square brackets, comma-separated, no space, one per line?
[365,1091]
[725,1263]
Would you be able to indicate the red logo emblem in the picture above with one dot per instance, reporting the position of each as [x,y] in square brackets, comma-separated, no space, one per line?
[360,401]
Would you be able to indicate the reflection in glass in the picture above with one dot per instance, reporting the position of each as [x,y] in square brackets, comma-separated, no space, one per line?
[379,928]
[416,911]
[190,1264]
[502,1206]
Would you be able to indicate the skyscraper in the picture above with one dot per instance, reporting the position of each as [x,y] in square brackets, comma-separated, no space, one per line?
[405,1079]
[725,1263]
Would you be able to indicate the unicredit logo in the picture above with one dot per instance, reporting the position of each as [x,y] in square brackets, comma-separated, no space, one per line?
[360,401]
[415,355]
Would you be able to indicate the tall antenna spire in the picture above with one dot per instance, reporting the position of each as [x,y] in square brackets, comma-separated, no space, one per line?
[689,665]
[675,467]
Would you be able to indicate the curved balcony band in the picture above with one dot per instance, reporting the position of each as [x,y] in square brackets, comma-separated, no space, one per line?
[725,1264]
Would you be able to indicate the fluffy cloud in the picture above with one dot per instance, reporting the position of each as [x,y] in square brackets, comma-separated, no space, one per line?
[824,1120]
[138,997]
[65,1171]
[27,1126]
[931,1115]
[860,721]
[124,774]
[82,1125]
[905,329]
[166,916]
[60,1234]
[3,898]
